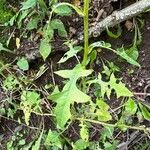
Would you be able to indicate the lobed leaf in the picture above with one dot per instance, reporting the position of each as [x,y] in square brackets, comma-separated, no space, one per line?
[107,87]
[71,53]
[121,52]
[69,94]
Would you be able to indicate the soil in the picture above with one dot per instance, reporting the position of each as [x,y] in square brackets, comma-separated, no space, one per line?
[138,81]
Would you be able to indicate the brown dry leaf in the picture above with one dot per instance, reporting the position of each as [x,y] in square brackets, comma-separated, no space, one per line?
[18,43]
[129,25]
[40,33]
[77,2]
[99,50]
[72,31]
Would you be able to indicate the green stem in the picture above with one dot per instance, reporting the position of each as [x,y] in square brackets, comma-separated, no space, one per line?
[86,34]
[141,128]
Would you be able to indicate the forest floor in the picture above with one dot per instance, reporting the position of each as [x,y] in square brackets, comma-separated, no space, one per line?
[13,129]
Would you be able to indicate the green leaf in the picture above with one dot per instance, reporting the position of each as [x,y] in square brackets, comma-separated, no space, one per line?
[67,11]
[62,10]
[84,133]
[106,70]
[22,15]
[53,139]
[103,86]
[62,109]
[48,31]
[29,102]
[102,112]
[93,56]
[42,5]
[30,98]
[80,145]
[74,74]
[36,146]
[145,112]
[58,24]
[107,132]
[64,99]
[120,88]
[101,44]
[45,48]
[23,64]
[2,48]
[107,87]
[111,34]
[102,105]
[10,83]
[130,107]
[71,53]
[121,52]
[113,67]
[13,19]
[28,4]
[33,23]
[22,142]
[41,71]
[69,94]
[2,111]
[133,52]
[10,145]
[111,146]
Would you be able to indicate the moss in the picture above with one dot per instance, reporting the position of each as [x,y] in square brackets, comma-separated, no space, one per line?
[5,13]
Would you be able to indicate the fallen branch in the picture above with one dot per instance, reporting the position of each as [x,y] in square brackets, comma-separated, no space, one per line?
[115,18]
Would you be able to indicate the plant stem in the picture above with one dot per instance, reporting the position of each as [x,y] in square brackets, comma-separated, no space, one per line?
[86,34]
[141,128]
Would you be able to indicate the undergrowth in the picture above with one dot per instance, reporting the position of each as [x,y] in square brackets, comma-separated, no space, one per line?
[5,13]
[83,97]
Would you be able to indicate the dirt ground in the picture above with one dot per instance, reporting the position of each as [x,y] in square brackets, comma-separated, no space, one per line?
[138,82]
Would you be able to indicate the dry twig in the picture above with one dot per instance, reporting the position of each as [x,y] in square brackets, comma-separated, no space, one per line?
[115,18]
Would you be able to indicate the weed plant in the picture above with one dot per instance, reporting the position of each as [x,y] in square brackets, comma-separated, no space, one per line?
[74,102]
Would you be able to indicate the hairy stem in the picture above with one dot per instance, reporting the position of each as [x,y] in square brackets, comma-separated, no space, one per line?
[86,34]
[140,128]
